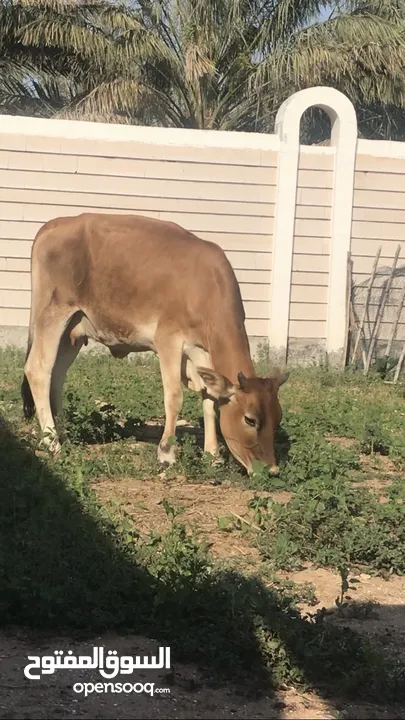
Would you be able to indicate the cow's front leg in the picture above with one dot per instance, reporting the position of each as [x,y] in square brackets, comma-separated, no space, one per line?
[170,355]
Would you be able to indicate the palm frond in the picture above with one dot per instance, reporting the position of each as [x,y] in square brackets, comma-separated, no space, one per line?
[219,64]
[360,54]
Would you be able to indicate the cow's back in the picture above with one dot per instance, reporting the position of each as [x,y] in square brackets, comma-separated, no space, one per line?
[124,264]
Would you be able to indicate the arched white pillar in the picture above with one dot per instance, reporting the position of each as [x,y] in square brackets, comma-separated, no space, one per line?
[344,139]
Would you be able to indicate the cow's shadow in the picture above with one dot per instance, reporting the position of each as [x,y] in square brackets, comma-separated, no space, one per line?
[103,425]
[283,445]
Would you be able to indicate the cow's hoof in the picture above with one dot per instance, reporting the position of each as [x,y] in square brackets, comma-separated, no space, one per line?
[52,446]
[274,470]
[216,460]
[166,454]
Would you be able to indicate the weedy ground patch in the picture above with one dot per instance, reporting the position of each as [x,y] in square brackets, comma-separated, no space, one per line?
[202,557]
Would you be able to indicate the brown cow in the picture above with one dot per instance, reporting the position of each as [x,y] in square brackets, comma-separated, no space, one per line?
[136,284]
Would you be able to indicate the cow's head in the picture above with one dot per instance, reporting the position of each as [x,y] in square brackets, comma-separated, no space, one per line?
[249,415]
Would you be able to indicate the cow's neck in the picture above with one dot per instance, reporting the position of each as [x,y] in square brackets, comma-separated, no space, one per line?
[230,353]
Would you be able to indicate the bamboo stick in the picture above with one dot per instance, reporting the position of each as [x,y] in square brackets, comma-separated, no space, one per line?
[377,324]
[363,317]
[399,364]
[395,323]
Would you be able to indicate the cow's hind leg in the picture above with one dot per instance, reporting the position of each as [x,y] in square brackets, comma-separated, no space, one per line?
[170,353]
[67,353]
[38,369]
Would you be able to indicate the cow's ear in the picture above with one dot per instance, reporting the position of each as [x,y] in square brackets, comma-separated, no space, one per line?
[278,376]
[216,385]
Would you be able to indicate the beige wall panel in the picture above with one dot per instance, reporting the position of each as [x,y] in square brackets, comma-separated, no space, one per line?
[310,263]
[237,192]
[307,329]
[49,144]
[257,310]
[316,212]
[269,158]
[379,215]
[368,248]
[373,163]
[14,264]
[14,280]
[38,161]
[309,294]
[148,151]
[17,317]
[13,142]
[362,266]
[142,150]
[15,248]
[19,229]
[221,223]
[380,230]
[249,260]
[198,224]
[62,177]
[15,298]
[257,328]
[253,276]
[224,195]
[310,278]
[311,245]
[137,204]
[171,170]
[317,197]
[315,179]
[13,160]
[376,199]
[379,181]
[239,241]
[316,161]
[312,228]
[13,211]
[308,311]
[250,291]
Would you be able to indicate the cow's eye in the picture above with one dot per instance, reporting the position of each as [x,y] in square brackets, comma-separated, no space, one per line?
[250,421]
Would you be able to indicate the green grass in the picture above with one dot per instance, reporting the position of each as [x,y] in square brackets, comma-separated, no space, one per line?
[69,562]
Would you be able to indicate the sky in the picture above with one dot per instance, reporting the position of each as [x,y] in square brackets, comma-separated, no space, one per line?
[324,13]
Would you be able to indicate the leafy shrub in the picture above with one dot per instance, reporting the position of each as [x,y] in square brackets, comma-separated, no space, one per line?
[330,523]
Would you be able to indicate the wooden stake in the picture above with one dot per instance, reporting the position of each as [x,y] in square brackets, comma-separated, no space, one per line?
[363,317]
[395,323]
[380,312]
[399,364]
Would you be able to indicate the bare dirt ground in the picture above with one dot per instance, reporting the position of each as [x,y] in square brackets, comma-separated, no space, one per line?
[190,696]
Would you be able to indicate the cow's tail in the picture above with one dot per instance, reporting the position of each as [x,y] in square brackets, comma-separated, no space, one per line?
[26,394]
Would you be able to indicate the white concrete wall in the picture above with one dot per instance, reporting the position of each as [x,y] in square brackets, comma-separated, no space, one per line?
[286,215]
